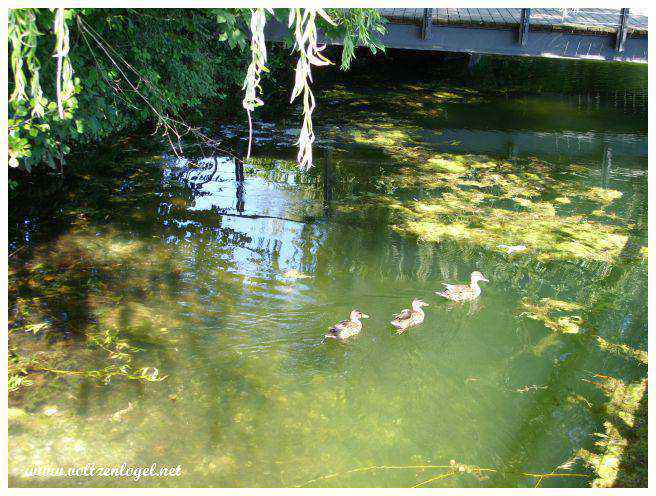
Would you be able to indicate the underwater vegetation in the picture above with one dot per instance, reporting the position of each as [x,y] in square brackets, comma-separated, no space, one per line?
[464,203]
[487,202]
[543,312]
[615,461]
[102,292]
[171,300]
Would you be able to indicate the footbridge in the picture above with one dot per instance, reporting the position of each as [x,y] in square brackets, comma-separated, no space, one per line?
[614,35]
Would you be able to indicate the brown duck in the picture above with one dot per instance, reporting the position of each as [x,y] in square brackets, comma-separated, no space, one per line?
[347,328]
[409,318]
[463,292]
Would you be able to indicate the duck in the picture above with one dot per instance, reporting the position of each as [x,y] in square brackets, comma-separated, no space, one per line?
[409,318]
[464,292]
[347,328]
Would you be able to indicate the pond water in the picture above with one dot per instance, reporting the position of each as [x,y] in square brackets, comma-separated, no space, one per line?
[227,288]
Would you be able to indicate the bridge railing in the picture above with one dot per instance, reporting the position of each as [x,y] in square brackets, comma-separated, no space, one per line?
[616,22]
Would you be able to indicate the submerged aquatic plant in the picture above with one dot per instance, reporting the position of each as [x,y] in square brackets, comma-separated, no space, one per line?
[623,350]
[544,312]
[624,402]
[487,202]
[65,287]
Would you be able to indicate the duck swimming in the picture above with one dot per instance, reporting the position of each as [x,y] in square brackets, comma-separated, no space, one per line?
[409,318]
[464,292]
[347,328]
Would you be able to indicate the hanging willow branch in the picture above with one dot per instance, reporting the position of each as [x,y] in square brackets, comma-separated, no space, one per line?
[21,24]
[23,38]
[28,106]
[309,54]
[255,69]
[33,111]
[65,87]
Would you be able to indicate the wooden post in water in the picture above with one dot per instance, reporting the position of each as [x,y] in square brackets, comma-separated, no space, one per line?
[239,170]
[426,24]
[239,158]
[524,26]
[328,180]
[474,59]
[241,204]
[622,30]
[513,153]
[606,165]
[239,178]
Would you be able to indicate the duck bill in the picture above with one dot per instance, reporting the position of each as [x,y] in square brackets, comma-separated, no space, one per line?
[485,279]
[365,316]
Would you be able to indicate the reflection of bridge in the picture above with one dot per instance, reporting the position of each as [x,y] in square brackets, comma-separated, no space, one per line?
[593,34]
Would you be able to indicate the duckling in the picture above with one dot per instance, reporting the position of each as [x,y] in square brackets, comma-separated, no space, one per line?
[409,318]
[463,292]
[347,328]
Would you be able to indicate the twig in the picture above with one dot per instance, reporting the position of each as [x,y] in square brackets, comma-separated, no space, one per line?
[368,469]
[166,121]
[441,476]
[57,371]
[16,251]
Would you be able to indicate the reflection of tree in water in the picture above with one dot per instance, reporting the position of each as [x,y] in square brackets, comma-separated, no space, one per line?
[110,275]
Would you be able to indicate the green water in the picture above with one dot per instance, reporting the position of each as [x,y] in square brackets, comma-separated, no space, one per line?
[175,258]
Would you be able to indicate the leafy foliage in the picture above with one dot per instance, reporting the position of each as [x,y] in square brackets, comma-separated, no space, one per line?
[355,27]
[33,124]
[79,75]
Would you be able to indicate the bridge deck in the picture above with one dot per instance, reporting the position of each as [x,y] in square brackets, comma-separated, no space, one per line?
[591,20]
[584,34]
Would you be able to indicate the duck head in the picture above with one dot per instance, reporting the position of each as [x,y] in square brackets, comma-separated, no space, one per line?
[477,276]
[357,315]
[417,303]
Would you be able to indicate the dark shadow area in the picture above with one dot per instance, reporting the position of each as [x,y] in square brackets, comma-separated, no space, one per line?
[633,469]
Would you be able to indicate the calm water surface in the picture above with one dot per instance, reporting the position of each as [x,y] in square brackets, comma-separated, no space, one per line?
[227,289]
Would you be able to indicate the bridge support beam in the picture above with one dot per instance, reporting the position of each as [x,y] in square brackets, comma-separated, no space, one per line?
[524,26]
[622,30]
[486,41]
